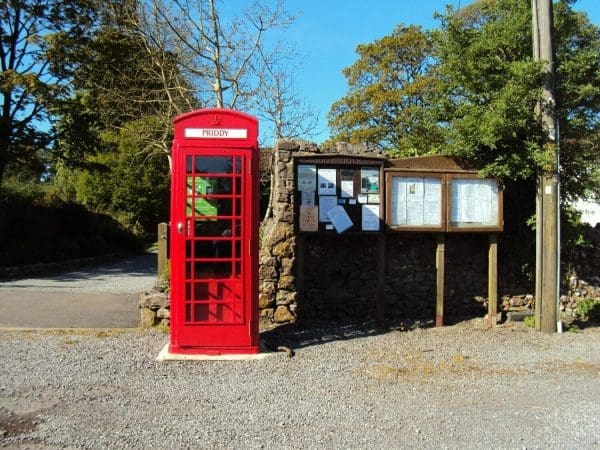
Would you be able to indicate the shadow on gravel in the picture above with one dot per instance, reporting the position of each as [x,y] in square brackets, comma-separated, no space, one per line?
[295,336]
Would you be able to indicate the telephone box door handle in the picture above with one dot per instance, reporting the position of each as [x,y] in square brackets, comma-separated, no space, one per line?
[180,228]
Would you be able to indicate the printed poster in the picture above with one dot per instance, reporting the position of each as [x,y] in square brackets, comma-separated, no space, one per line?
[474,201]
[307,178]
[370,217]
[416,201]
[326,203]
[340,219]
[327,180]
[369,180]
[347,188]
[308,198]
[309,218]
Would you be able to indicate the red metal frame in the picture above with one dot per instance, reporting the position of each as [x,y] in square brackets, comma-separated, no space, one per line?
[214,233]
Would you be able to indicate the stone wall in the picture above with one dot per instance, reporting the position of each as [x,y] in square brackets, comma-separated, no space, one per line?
[339,280]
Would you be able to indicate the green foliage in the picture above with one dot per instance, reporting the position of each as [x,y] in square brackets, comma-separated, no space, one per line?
[589,309]
[470,87]
[387,102]
[37,227]
[490,85]
[529,321]
[35,70]
[128,182]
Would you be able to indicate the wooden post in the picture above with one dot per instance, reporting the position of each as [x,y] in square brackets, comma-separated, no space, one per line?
[299,265]
[493,280]
[547,221]
[439,265]
[162,249]
[380,298]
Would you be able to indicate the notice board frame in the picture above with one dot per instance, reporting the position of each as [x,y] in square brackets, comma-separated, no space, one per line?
[339,163]
[446,177]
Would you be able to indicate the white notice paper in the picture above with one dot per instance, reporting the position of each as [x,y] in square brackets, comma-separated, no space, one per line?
[370,217]
[474,202]
[308,198]
[347,188]
[416,201]
[339,218]
[326,203]
[307,178]
[327,179]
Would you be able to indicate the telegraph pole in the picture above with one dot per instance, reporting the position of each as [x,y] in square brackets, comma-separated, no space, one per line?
[547,200]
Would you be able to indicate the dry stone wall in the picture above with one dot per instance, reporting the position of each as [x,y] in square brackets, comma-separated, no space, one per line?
[339,276]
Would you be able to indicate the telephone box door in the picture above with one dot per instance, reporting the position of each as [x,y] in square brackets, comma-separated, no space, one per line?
[214,223]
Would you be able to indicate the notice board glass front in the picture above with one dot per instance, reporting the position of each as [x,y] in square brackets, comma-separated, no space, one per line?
[338,195]
[415,201]
[475,203]
[442,202]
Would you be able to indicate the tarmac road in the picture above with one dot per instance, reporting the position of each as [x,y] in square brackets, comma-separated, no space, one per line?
[104,296]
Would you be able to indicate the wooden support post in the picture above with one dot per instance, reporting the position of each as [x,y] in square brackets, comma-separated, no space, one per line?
[439,265]
[301,297]
[161,264]
[493,280]
[380,299]
[548,201]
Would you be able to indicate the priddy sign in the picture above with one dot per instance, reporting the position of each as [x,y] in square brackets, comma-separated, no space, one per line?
[216,133]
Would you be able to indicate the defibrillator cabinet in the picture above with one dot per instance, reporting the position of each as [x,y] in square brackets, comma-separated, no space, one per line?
[214,233]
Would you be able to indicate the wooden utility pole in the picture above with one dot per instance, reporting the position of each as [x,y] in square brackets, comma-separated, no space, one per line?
[547,201]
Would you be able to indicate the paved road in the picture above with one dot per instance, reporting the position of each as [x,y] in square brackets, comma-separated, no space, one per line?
[102,296]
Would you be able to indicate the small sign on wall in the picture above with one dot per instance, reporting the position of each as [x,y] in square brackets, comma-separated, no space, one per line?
[309,218]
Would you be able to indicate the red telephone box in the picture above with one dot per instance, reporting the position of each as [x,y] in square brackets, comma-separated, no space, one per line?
[214,233]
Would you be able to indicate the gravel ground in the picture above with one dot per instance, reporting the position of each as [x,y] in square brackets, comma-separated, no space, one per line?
[461,386]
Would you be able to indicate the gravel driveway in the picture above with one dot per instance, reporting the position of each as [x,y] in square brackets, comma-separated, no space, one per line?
[462,386]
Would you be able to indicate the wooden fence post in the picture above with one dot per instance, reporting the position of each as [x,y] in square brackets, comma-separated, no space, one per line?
[162,248]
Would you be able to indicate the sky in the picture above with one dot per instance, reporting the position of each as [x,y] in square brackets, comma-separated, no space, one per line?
[326,33]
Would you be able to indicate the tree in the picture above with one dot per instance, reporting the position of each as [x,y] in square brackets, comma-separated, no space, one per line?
[578,101]
[227,60]
[33,37]
[388,103]
[143,81]
[133,184]
[490,86]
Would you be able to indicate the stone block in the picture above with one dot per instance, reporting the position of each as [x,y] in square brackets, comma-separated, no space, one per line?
[154,300]
[265,300]
[288,265]
[283,314]
[284,249]
[283,197]
[286,297]
[148,318]
[163,313]
[284,155]
[287,282]
[287,145]
[267,287]
[266,312]
[267,272]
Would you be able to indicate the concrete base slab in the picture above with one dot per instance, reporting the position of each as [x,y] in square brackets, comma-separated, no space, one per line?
[165,355]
